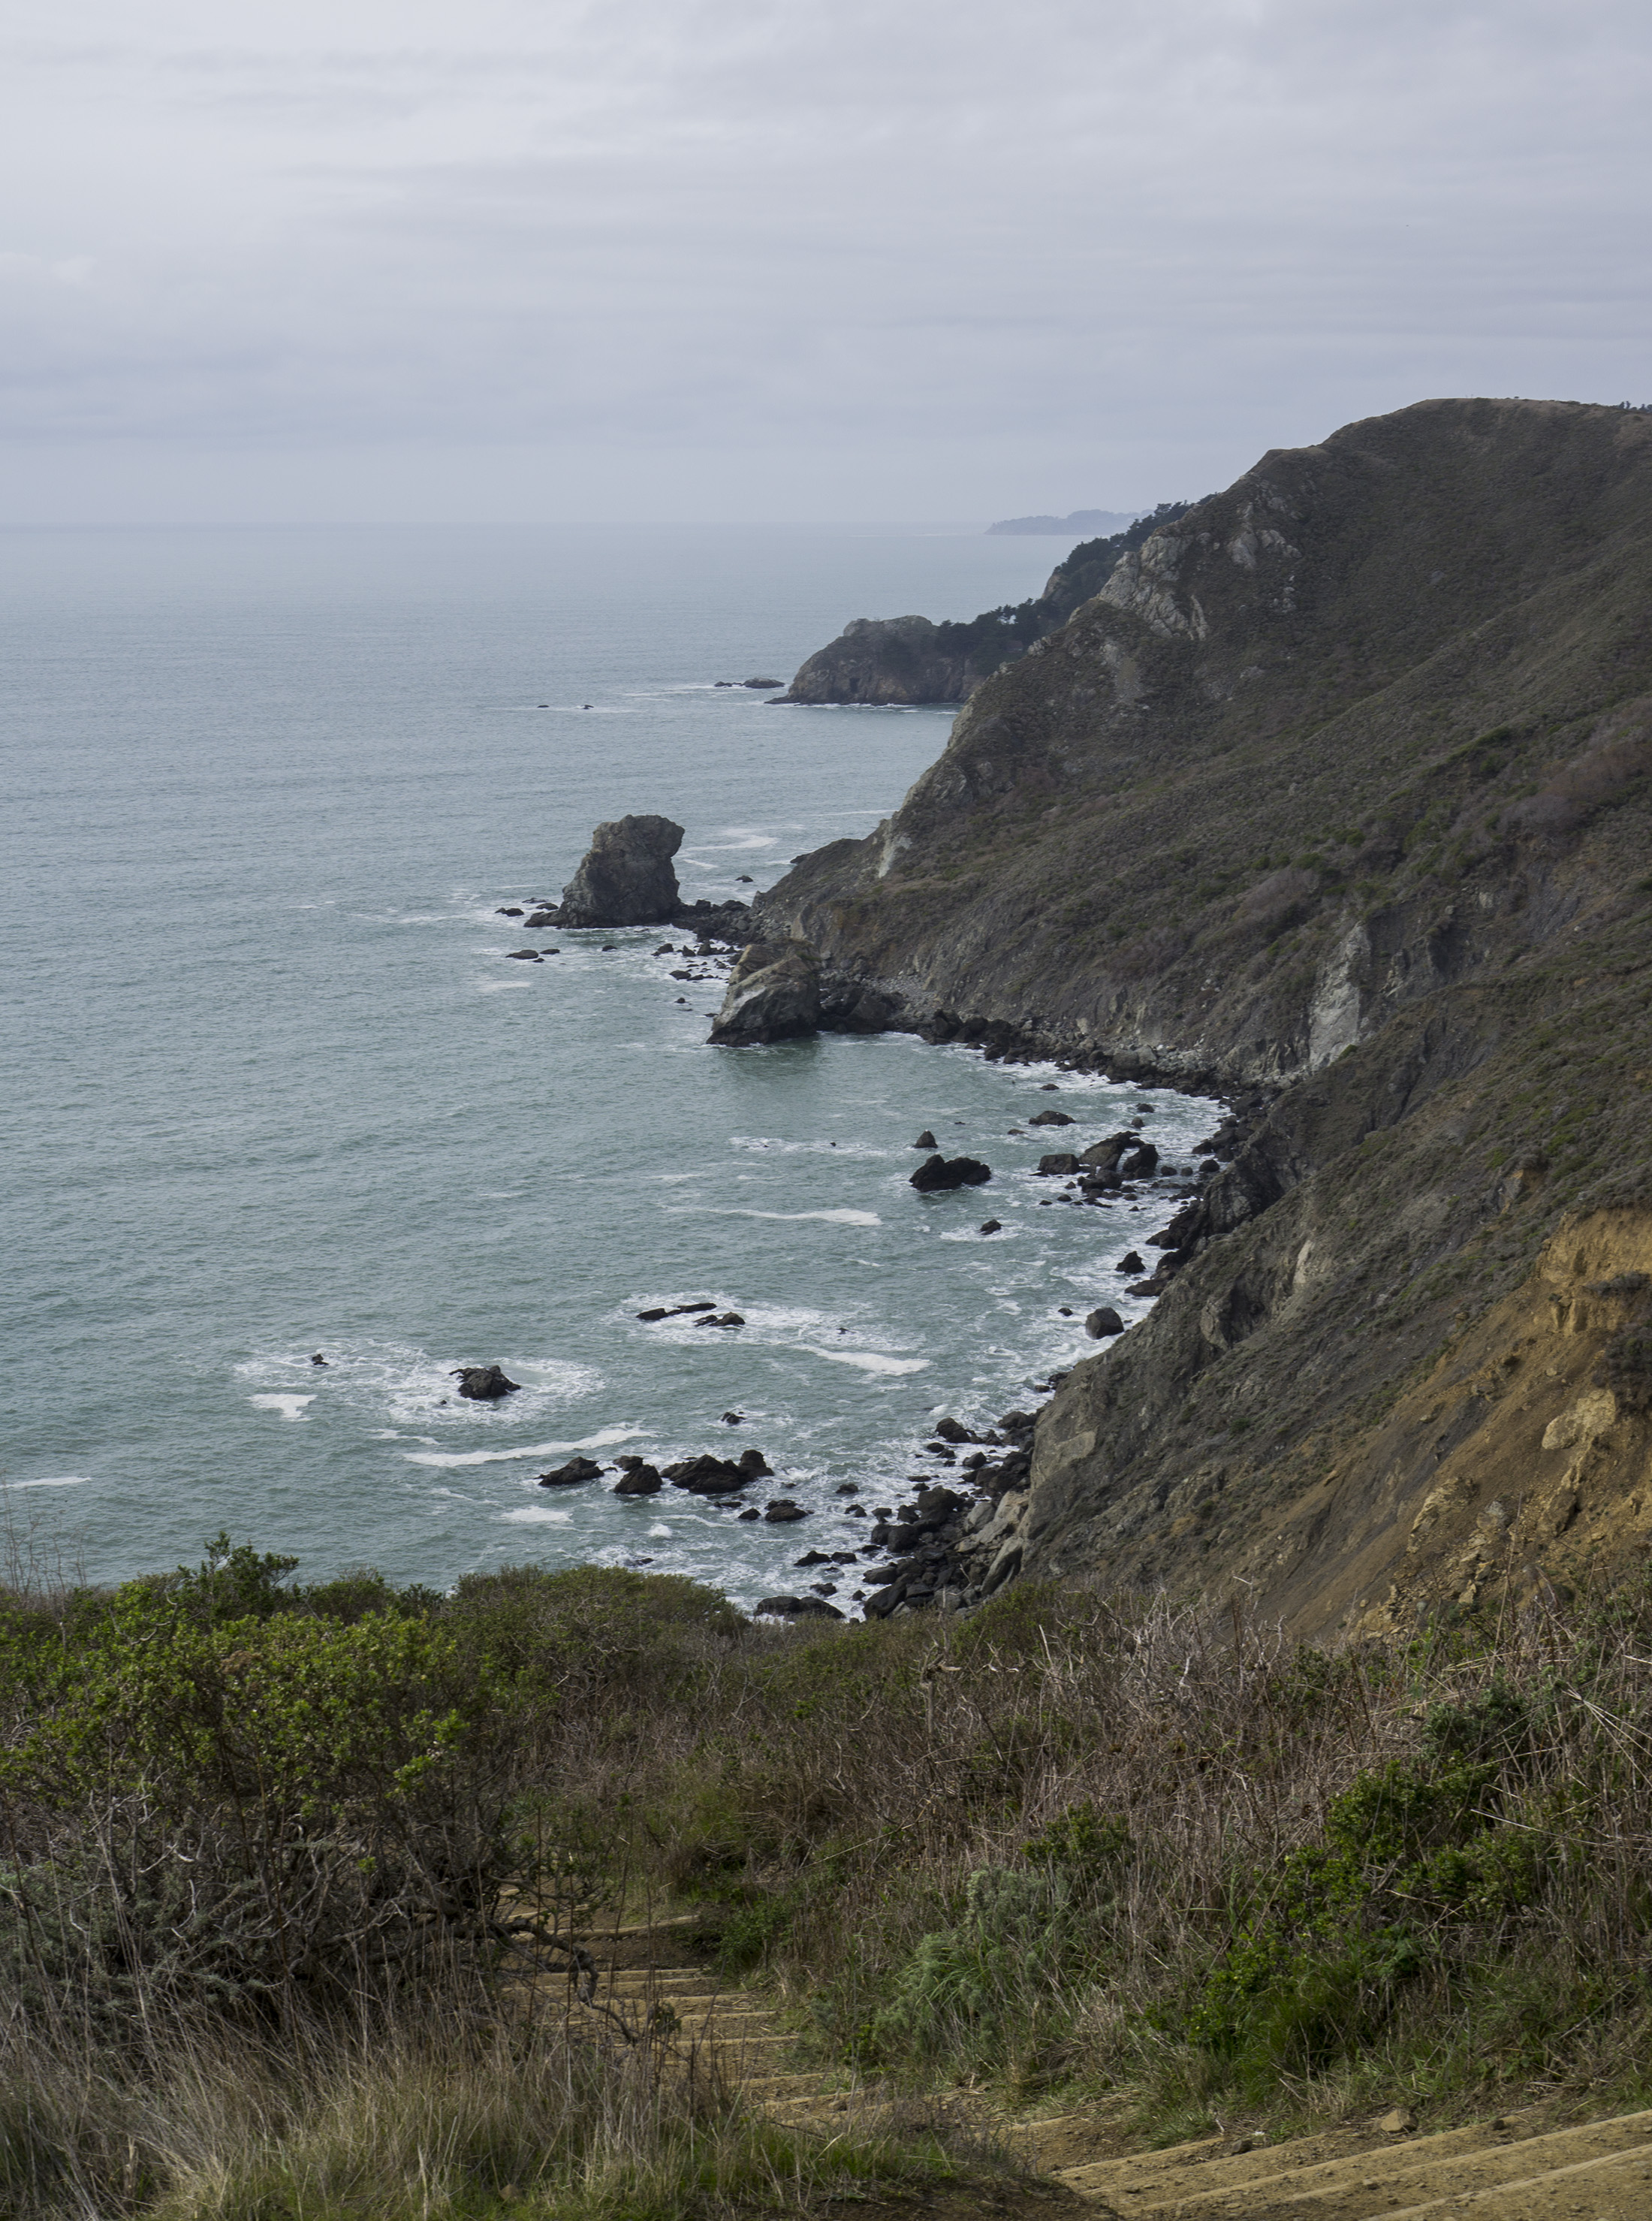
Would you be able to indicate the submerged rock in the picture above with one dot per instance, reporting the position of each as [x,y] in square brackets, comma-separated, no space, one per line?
[626,877]
[774,994]
[483,1384]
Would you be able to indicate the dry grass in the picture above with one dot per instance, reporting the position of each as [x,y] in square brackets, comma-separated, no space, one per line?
[1077,1842]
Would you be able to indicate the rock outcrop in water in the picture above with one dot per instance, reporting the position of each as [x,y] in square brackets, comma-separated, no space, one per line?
[483,1384]
[774,994]
[626,877]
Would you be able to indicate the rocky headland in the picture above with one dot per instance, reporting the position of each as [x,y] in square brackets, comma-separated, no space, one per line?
[901,661]
[1334,796]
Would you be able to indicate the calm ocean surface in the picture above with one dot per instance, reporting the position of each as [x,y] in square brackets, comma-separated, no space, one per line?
[274,1085]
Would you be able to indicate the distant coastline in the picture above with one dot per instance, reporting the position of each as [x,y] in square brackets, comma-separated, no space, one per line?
[1095,522]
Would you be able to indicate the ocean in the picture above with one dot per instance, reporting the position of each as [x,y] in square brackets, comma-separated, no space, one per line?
[276,1087]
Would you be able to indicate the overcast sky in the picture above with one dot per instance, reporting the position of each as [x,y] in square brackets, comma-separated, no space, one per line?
[755,259]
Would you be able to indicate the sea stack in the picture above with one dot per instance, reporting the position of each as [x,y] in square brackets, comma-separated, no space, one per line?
[626,877]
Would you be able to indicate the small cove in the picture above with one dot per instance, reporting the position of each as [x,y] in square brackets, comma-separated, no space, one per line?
[282,1090]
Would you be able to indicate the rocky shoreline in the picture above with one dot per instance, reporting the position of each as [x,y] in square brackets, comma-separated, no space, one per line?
[1291,811]
[960,1536]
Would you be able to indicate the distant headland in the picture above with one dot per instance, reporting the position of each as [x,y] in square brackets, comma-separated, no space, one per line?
[1093,520]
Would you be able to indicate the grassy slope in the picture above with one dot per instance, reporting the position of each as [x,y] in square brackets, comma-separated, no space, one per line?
[1077,1843]
[1362,814]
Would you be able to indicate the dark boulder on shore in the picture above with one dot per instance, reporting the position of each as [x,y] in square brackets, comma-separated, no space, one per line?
[1102,1323]
[626,877]
[791,1607]
[774,994]
[483,1384]
[939,1173]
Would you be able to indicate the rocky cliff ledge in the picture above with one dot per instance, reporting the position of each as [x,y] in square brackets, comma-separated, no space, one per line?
[1337,791]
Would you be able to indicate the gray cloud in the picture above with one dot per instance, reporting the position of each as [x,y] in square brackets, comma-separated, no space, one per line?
[761,259]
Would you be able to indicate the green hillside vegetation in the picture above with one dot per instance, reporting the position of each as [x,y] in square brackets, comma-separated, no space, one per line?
[278,1863]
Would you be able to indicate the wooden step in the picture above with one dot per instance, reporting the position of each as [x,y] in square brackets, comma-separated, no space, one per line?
[1401,2175]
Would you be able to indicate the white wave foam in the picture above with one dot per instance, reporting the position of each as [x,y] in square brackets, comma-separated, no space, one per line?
[450,1458]
[767,1142]
[537,1515]
[660,1534]
[403,1384]
[55,1480]
[869,1360]
[291,1407]
[737,1210]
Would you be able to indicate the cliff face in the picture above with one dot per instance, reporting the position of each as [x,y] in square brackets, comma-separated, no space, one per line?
[1340,789]
[1319,748]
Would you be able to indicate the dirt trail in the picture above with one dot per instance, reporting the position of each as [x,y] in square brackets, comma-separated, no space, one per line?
[1512,2169]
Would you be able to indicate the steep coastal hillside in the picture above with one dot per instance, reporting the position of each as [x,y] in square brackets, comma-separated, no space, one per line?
[1335,797]
[902,661]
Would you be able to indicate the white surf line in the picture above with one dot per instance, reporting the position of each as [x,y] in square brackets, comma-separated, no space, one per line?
[448,1458]
[291,1407]
[737,1210]
[867,1361]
